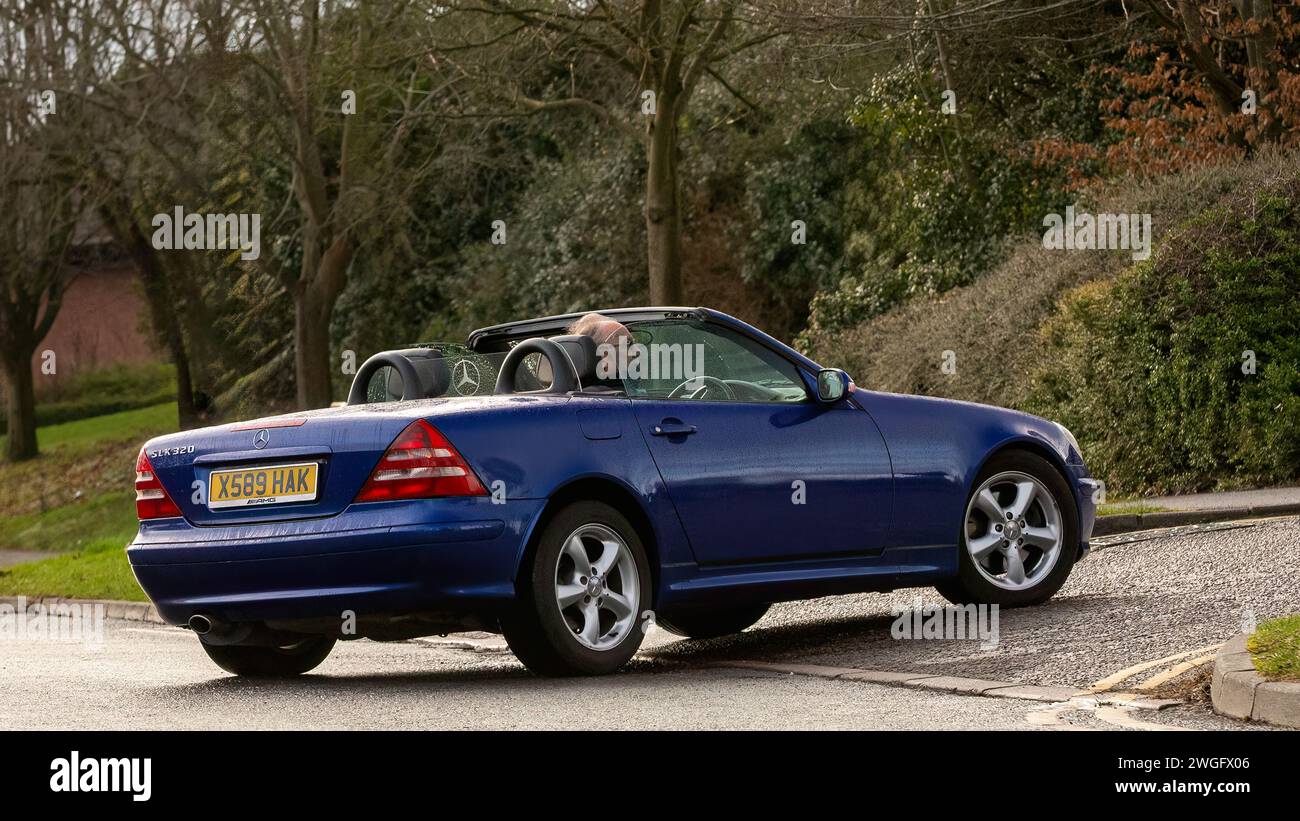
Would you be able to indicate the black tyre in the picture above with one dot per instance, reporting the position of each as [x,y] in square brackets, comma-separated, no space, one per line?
[270,662]
[581,594]
[1020,535]
[709,624]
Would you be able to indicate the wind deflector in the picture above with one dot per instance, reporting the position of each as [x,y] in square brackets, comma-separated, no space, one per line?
[424,373]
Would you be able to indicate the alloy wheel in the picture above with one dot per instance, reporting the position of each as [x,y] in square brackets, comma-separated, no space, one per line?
[597,587]
[1014,532]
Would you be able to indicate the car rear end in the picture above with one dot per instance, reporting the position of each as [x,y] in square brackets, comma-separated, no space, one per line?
[321,520]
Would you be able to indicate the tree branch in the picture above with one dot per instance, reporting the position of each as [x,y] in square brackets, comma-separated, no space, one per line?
[580,104]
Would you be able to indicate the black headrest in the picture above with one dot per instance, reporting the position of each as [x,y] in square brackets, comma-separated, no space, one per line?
[434,374]
[582,353]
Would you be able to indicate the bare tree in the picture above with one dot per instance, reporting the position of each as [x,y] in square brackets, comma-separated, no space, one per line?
[141,150]
[663,49]
[36,229]
[43,199]
[348,167]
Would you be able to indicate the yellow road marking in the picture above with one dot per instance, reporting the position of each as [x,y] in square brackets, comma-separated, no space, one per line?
[1174,672]
[1128,672]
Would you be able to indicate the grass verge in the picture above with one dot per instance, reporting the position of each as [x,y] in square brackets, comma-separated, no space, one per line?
[99,572]
[1127,508]
[80,460]
[1275,648]
[130,424]
[108,518]
[96,531]
[77,496]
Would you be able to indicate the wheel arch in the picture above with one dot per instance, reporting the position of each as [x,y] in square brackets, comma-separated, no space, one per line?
[1038,448]
[1026,444]
[612,492]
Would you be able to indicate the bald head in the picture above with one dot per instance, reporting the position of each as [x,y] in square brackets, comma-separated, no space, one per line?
[600,328]
[606,333]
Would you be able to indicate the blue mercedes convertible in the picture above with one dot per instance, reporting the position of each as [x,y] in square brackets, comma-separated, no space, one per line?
[568,481]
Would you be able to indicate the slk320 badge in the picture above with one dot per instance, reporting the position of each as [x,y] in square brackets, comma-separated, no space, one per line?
[178,451]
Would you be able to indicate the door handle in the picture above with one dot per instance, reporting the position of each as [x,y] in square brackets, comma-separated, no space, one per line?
[672,427]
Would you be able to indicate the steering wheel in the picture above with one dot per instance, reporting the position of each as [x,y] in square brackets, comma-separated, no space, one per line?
[563,377]
[711,383]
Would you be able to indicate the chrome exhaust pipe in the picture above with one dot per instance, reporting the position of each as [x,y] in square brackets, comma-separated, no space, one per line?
[215,631]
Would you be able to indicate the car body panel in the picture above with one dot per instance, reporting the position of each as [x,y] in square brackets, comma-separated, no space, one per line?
[393,556]
[772,481]
[939,446]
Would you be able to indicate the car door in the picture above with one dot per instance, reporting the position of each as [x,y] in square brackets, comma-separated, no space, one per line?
[756,468]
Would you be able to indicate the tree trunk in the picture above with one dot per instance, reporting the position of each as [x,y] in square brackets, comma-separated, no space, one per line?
[20,404]
[324,275]
[186,413]
[311,355]
[162,308]
[166,324]
[663,219]
[1263,71]
[1226,91]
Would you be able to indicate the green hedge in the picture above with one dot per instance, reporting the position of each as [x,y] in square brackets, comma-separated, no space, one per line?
[1149,370]
[108,390]
[993,324]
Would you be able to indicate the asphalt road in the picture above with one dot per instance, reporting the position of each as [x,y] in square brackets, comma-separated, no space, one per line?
[1138,598]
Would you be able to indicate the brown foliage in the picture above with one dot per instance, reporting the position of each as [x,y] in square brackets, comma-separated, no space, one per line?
[1182,96]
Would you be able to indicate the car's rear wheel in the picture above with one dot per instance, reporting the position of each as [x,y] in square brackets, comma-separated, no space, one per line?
[270,662]
[1020,534]
[709,624]
[581,595]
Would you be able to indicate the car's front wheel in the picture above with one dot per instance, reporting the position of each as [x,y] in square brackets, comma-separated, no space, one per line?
[270,662]
[581,596]
[1020,536]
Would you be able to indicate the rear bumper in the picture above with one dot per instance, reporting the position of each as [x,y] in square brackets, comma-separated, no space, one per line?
[453,555]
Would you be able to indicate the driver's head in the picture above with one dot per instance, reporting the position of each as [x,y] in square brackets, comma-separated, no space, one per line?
[606,333]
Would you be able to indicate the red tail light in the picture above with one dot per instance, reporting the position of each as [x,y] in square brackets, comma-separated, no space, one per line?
[151,499]
[419,464]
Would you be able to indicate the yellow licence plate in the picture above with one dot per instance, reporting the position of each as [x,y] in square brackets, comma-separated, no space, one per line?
[273,485]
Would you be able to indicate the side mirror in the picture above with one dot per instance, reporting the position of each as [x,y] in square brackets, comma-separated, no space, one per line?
[833,384]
